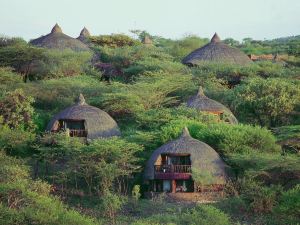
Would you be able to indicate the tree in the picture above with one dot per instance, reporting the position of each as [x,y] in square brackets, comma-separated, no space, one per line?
[231,42]
[266,101]
[110,205]
[17,111]
[21,57]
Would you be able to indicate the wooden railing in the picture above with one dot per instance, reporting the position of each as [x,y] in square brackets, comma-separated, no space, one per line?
[78,133]
[173,169]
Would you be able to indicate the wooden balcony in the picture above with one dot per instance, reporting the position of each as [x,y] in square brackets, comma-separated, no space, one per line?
[170,172]
[78,133]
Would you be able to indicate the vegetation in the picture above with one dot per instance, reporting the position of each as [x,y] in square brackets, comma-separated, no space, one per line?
[51,178]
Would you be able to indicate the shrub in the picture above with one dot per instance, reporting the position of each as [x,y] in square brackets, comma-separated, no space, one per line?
[16,141]
[205,214]
[17,111]
[288,209]
[24,201]
[114,40]
[225,138]
[267,102]
[110,204]
[57,63]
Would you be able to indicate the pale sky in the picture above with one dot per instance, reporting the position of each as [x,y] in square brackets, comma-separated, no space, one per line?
[174,19]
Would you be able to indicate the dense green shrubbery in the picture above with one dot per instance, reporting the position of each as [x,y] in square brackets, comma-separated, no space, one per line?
[288,209]
[234,74]
[149,92]
[24,201]
[60,64]
[148,103]
[16,141]
[16,110]
[100,166]
[113,40]
[201,214]
[266,101]
[225,138]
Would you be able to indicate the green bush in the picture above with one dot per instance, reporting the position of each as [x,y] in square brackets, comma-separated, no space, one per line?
[16,141]
[288,209]
[24,201]
[225,138]
[113,40]
[266,101]
[16,110]
[205,214]
[57,63]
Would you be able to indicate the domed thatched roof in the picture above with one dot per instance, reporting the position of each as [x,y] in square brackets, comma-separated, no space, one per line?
[58,40]
[97,122]
[203,157]
[202,103]
[216,51]
[84,35]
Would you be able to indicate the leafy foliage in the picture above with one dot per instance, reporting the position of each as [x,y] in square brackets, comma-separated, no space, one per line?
[113,40]
[267,101]
[17,111]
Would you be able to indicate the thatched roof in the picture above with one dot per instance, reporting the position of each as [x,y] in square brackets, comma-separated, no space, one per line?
[147,41]
[216,51]
[58,40]
[202,103]
[84,35]
[97,122]
[203,157]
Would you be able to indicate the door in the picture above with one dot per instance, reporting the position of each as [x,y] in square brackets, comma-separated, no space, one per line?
[166,185]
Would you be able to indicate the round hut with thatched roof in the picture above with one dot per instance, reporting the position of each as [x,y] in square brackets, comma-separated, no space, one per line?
[177,165]
[218,52]
[83,120]
[84,35]
[58,40]
[204,104]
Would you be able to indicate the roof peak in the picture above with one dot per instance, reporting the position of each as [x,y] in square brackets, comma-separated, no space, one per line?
[185,132]
[200,91]
[147,40]
[215,38]
[85,32]
[80,100]
[56,29]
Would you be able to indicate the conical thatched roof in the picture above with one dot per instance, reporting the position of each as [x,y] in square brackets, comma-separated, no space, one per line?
[216,51]
[202,103]
[58,40]
[97,122]
[84,35]
[203,157]
[147,41]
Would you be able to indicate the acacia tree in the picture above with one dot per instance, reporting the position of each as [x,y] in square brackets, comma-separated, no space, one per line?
[17,111]
[266,101]
[21,57]
[107,164]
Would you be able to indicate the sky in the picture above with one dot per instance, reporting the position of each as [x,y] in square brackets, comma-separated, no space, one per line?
[258,19]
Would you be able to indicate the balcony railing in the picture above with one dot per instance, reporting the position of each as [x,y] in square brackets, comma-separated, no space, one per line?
[173,169]
[78,133]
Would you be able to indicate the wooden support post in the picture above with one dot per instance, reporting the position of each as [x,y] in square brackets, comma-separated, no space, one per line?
[173,186]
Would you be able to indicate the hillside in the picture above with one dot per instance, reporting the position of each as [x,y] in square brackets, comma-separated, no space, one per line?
[66,176]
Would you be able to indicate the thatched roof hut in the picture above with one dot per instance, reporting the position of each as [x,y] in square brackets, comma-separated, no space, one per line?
[202,156]
[147,41]
[84,35]
[216,51]
[202,103]
[95,122]
[58,40]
